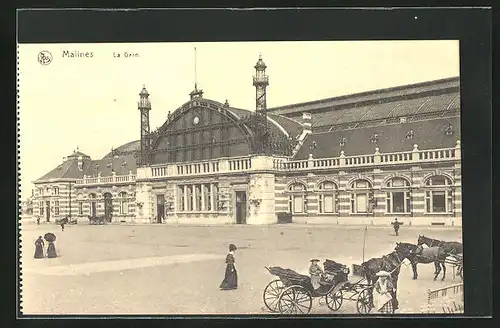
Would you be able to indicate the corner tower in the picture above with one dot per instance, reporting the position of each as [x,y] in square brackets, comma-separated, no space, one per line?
[144,106]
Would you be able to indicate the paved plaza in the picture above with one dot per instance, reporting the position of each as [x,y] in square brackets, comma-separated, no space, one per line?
[165,269]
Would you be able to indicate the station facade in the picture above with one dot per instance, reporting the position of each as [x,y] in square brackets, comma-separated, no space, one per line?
[364,158]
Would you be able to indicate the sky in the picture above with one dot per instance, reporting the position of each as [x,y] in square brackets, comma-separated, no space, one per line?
[91,103]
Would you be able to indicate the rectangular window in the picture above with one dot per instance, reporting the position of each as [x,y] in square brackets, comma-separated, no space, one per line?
[408,202]
[298,204]
[198,198]
[450,202]
[123,207]
[389,207]
[398,202]
[80,208]
[329,203]
[206,195]
[189,198]
[56,207]
[428,201]
[41,209]
[320,203]
[181,198]
[438,202]
[361,203]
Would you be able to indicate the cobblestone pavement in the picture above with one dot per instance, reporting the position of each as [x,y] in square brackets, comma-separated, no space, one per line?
[149,270]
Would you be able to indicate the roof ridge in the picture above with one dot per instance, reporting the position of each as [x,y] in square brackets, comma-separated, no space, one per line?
[369,92]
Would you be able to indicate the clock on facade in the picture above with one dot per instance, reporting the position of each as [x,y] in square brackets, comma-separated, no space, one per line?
[196,120]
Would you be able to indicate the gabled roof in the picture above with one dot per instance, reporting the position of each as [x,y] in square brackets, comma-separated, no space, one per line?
[428,134]
[417,90]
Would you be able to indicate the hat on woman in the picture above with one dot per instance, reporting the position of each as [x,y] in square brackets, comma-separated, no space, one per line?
[314,260]
[232,247]
[383,273]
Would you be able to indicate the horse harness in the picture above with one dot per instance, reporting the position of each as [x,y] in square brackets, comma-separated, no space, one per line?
[387,262]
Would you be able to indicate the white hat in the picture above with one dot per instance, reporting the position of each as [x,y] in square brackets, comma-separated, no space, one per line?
[383,273]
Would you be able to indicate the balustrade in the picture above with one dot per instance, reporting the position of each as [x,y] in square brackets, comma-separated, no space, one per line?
[241,164]
[107,180]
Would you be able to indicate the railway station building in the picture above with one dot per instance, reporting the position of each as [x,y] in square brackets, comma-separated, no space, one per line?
[362,158]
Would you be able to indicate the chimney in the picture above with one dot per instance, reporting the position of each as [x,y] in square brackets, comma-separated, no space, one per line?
[307,121]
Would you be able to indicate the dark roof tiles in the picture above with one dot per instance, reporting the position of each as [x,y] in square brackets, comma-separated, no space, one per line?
[428,134]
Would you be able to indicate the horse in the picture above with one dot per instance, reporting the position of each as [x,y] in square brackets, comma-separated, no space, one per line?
[434,254]
[450,247]
[390,263]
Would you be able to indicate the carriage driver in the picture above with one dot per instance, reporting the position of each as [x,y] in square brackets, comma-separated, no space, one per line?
[316,273]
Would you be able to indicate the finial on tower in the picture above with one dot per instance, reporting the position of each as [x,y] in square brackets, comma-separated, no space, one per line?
[144,102]
[196,93]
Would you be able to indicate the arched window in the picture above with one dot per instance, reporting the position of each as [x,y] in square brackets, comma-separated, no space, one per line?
[297,203]
[438,195]
[398,195]
[361,197]
[123,202]
[328,197]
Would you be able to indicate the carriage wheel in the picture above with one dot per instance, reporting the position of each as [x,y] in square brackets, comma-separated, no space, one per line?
[295,300]
[334,300]
[364,303]
[272,294]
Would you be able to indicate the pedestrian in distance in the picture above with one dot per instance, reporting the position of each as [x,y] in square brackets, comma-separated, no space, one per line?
[62,226]
[38,220]
[396,224]
[231,277]
[39,245]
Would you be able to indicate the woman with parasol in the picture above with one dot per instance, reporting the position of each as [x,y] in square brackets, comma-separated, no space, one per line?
[39,244]
[231,277]
[51,250]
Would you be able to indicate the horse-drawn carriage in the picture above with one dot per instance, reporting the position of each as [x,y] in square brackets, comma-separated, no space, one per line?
[101,219]
[66,220]
[292,293]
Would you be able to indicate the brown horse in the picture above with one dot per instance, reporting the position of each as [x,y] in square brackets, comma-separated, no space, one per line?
[418,254]
[390,263]
[450,247]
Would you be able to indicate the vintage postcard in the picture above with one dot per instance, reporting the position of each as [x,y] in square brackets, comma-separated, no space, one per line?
[232,178]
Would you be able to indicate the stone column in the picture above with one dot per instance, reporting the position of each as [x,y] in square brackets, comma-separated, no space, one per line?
[185,197]
[202,198]
[262,187]
[212,198]
[193,188]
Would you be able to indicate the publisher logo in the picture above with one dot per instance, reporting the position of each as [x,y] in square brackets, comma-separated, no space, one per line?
[44,57]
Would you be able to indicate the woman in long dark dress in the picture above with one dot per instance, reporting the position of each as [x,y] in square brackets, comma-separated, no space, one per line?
[39,244]
[51,250]
[231,277]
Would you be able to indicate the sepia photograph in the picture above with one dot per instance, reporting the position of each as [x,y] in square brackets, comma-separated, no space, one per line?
[241,178]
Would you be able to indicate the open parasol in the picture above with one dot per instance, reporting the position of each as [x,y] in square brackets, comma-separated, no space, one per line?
[50,237]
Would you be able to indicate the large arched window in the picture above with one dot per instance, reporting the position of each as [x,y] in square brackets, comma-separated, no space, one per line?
[123,200]
[297,203]
[398,195]
[328,197]
[438,194]
[361,197]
